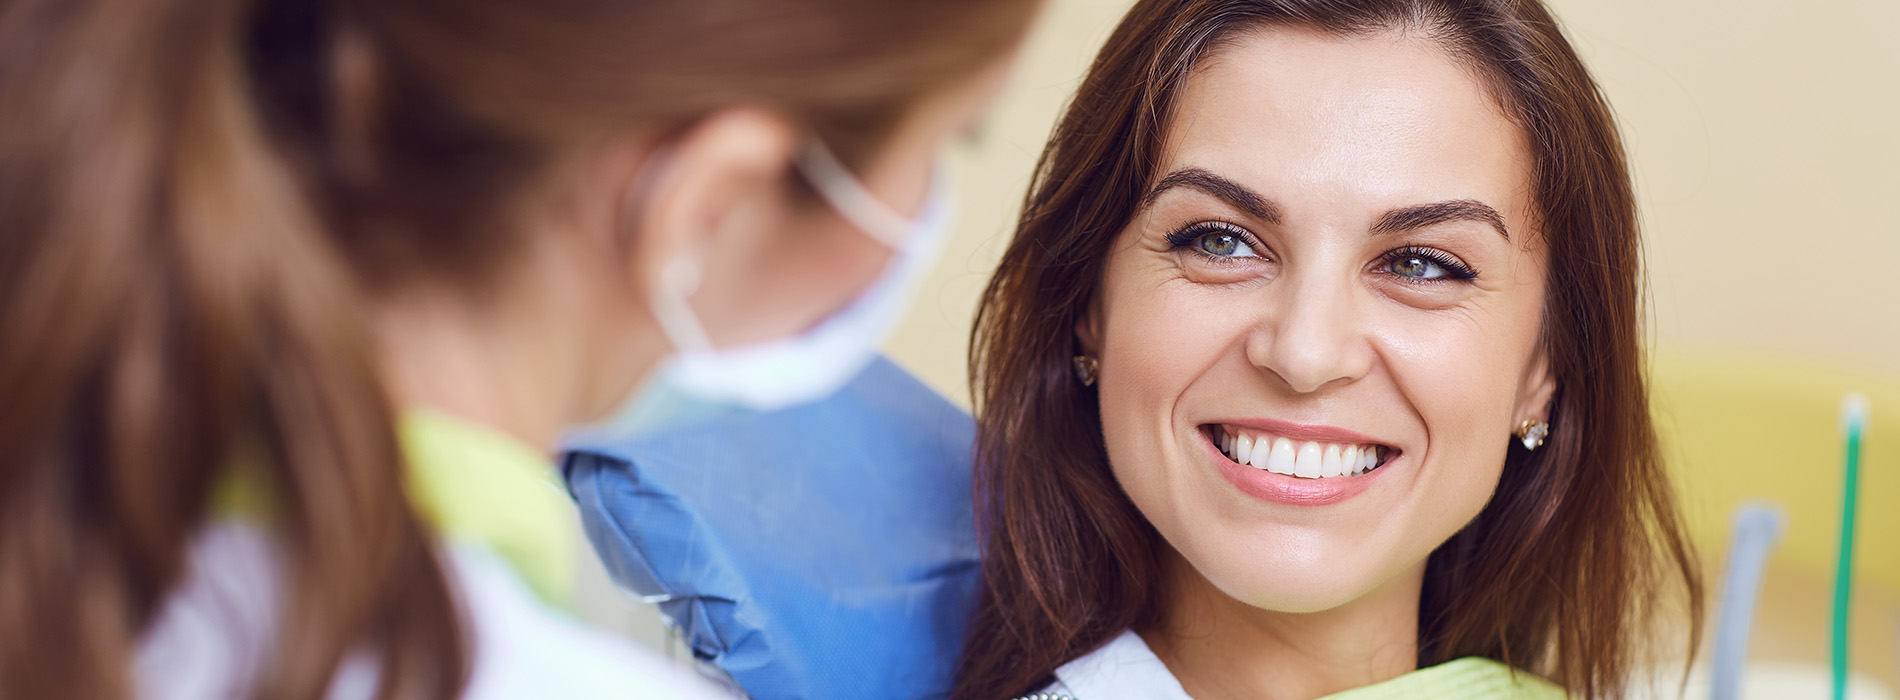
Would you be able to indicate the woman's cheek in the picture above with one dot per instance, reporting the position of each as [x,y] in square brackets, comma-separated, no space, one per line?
[1460,377]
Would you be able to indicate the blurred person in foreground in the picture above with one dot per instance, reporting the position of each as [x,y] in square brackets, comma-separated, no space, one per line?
[297,297]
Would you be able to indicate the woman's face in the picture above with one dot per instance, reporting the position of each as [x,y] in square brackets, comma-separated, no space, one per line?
[1337,270]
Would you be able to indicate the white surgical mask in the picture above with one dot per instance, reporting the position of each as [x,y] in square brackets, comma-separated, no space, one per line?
[700,381]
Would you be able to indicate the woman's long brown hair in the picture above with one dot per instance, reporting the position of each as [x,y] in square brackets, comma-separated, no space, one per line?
[199,199]
[1561,571]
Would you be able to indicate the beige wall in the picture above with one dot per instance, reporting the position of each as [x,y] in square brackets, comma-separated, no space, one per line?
[1766,145]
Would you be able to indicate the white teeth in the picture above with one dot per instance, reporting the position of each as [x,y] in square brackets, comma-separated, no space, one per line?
[1309,460]
[1281,460]
[1309,464]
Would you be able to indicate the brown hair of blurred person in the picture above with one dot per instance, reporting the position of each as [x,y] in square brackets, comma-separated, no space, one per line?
[1582,541]
[199,202]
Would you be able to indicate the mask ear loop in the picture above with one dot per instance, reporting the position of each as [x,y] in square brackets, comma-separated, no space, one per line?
[679,278]
[846,194]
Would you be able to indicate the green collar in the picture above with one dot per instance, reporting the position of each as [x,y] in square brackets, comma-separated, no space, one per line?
[479,486]
[1472,678]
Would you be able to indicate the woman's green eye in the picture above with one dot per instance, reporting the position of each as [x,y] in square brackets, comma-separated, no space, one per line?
[1225,245]
[1213,239]
[1417,268]
[1423,264]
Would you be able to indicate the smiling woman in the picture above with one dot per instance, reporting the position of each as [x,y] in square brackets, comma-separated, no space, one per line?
[1352,288]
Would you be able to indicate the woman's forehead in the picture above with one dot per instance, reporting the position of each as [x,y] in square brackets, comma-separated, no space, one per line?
[1385,118]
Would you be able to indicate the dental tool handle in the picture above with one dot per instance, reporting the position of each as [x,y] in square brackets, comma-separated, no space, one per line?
[1758,529]
[1854,412]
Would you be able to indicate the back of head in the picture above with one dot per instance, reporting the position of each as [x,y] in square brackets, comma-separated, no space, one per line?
[200,200]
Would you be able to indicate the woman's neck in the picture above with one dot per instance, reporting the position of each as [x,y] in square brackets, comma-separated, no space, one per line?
[536,359]
[1223,649]
[437,355]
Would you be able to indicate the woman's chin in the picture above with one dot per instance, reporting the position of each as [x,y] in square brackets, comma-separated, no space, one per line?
[1280,586]
[1302,569]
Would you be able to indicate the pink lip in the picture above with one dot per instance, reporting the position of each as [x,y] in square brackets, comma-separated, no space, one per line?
[1291,490]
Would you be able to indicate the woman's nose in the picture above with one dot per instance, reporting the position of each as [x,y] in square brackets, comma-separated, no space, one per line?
[1313,334]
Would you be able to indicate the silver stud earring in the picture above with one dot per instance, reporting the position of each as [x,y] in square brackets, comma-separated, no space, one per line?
[1086,368]
[1532,433]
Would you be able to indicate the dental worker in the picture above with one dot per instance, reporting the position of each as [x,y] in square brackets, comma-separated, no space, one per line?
[298,296]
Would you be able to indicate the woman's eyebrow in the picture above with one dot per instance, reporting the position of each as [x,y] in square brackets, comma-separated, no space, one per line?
[1423,215]
[1259,207]
[1233,193]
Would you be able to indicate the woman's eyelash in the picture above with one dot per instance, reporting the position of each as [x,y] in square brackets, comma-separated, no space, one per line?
[1190,235]
[1454,268]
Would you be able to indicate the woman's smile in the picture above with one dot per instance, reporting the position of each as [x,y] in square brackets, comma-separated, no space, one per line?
[1291,453]
[1293,464]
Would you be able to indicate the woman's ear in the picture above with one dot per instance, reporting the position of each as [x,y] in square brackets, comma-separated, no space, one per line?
[1087,328]
[700,185]
[1535,392]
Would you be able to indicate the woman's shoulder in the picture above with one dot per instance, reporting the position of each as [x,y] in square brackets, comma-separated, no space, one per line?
[1126,668]
[216,630]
